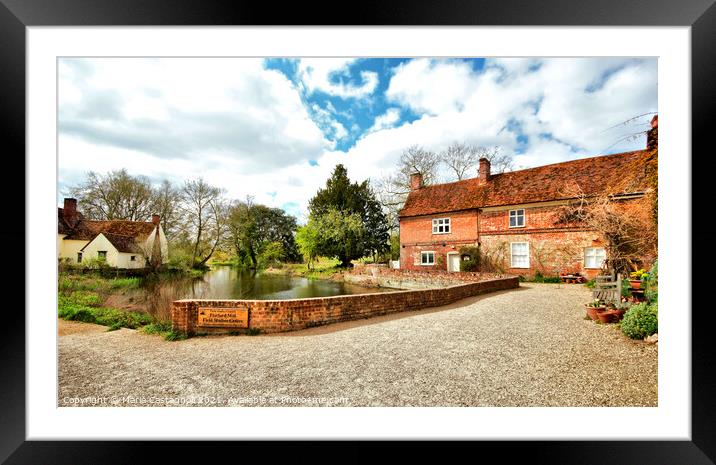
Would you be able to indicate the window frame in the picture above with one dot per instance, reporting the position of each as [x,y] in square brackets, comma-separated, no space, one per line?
[446,223]
[79,257]
[100,256]
[132,258]
[599,267]
[516,216]
[512,255]
[425,253]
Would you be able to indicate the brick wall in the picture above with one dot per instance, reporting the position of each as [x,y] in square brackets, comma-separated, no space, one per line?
[374,275]
[550,253]
[416,236]
[554,248]
[271,316]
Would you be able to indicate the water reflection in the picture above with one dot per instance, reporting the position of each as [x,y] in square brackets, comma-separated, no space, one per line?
[235,283]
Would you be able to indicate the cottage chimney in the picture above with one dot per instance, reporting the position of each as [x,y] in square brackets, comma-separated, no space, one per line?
[416,181]
[155,219]
[484,170]
[652,137]
[69,212]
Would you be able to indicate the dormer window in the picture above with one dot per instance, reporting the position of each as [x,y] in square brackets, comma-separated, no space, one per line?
[517,218]
[441,225]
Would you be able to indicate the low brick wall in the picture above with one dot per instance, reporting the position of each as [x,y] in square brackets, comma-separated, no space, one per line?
[270,316]
[372,275]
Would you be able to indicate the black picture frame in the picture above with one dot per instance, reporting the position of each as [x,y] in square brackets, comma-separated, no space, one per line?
[700,15]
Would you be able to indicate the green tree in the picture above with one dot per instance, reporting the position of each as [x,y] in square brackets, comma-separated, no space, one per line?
[253,227]
[340,235]
[341,197]
[272,253]
[395,246]
[308,240]
[376,240]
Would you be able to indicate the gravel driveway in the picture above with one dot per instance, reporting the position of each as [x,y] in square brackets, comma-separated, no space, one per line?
[524,347]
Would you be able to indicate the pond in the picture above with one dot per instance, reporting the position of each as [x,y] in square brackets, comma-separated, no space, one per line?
[234,283]
[227,282]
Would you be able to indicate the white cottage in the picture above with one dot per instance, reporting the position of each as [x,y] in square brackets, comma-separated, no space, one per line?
[122,244]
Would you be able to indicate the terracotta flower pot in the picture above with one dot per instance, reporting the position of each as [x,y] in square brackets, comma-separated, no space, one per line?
[635,283]
[593,311]
[606,316]
[619,314]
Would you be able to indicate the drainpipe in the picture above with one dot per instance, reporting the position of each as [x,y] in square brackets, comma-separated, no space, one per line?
[478,226]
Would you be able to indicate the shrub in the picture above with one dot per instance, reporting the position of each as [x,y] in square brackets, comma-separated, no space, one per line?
[473,262]
[159,327]
[640,321]
[652,285]
[115,326]
[69,309]
[85,298]
[626,288]
[591,283]
[174,336]
[73,312]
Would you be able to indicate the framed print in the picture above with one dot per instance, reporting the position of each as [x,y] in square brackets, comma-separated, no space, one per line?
[318,231]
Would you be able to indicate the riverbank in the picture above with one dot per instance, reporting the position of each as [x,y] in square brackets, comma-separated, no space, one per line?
[323,268]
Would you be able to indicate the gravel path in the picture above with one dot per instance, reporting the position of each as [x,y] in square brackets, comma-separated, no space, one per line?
[525,347]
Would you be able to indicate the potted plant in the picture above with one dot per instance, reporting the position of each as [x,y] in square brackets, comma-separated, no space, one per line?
[613,312]
[594,308]
[606,316]
[636,278]
[620,309]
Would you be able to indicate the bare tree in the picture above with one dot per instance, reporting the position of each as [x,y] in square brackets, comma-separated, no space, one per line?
[499,162]
[204,212]
[416,159]
[392,190]
[628,226]
[115,196]
[460,158]
[165,203]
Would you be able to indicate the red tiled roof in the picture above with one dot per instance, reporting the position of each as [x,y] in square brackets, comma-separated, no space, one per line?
[550,182]
[88,229]
[121,243]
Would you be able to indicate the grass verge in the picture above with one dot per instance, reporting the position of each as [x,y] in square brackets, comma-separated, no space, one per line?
[79,307]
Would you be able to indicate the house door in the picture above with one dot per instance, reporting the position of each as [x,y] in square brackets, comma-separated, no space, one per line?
[453,262]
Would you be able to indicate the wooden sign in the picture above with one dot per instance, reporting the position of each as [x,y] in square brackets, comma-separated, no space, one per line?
[224,317]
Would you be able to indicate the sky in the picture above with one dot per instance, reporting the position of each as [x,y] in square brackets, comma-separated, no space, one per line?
[275,128]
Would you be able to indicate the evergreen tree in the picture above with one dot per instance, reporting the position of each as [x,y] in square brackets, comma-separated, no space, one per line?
[341,199]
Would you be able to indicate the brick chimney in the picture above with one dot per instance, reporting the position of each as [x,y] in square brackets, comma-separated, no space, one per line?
[652,137]
[155,219]
[416,181]
[484,170]
[70,213]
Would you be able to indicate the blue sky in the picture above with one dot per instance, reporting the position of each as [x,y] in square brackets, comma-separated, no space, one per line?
[275,128]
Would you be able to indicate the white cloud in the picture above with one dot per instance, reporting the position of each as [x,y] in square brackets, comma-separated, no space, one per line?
[576,101]
[325,119]
[432,86]
[316,74]
[386,120]
[187,108]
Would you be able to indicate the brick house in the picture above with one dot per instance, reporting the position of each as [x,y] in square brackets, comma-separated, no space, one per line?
[121,244]
[513,216]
